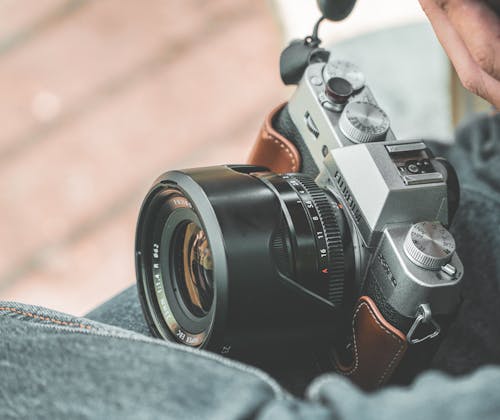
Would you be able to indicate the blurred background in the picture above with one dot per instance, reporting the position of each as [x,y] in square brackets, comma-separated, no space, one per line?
[101,96]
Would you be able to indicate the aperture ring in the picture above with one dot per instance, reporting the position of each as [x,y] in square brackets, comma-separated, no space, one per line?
[331,264]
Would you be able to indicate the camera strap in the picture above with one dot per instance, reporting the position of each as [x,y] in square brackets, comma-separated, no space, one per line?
[299,54]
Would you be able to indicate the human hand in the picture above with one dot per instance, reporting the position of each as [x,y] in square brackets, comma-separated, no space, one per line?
[469,31]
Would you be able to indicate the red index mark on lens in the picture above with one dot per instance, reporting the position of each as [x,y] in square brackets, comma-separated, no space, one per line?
[325,270]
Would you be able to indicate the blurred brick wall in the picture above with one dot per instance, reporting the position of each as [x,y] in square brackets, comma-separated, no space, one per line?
[98,98]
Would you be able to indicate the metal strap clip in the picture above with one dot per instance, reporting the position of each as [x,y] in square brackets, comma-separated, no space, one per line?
[423,316]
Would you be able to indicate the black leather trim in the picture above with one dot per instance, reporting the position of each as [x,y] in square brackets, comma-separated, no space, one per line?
[284,125]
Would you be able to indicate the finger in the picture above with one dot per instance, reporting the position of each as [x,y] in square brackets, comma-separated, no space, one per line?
[479,27]
[469,72]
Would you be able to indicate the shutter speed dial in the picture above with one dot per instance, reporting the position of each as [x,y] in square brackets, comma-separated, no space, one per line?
[363,122]
[429,245]
[346,70]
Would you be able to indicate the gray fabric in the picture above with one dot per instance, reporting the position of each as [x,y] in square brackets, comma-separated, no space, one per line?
[476,156]
[57,366]
[123,310]
[474,337]
[433,396]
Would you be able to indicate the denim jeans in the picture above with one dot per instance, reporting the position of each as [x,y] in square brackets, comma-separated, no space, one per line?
[106,365]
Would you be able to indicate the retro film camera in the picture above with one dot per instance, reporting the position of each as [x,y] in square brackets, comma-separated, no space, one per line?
[344,251]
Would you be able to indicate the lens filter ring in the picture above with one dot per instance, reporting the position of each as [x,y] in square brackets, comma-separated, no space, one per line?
[170,289]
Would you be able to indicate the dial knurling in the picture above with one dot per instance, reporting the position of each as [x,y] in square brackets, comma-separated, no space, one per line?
[335,249]
[429,245]
[350,125]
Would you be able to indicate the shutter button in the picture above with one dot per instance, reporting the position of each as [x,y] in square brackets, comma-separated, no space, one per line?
[338,89]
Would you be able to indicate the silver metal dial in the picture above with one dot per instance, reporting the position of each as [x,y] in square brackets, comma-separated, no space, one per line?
[363,122]
[429,245]
[346,70]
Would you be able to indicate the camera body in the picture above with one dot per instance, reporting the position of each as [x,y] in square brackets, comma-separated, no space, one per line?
[397,197]
[329,248]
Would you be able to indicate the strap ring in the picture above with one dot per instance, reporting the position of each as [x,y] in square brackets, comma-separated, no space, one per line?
[423,316]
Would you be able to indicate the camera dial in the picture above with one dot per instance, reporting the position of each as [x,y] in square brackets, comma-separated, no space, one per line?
[363,122]
[429,245]
[345,70]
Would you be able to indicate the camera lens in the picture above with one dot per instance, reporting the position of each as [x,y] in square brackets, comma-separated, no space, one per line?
[242,261]
[193,267]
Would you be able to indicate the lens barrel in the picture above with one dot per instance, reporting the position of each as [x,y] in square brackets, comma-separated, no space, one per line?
[241,261]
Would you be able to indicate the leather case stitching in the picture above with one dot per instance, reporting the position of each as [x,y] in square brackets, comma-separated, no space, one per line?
[356,358]
[383,328]
[389,366]
[268,135]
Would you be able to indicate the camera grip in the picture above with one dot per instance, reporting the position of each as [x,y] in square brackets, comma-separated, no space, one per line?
[378,347]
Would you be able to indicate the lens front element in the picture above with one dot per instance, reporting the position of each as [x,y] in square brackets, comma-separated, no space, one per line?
[193,267]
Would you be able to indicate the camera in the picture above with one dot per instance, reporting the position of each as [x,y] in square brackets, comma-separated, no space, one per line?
[346,248]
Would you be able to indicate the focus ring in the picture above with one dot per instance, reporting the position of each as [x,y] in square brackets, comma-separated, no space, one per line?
[332,238]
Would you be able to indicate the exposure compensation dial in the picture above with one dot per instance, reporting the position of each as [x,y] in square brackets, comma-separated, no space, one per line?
[429,245]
